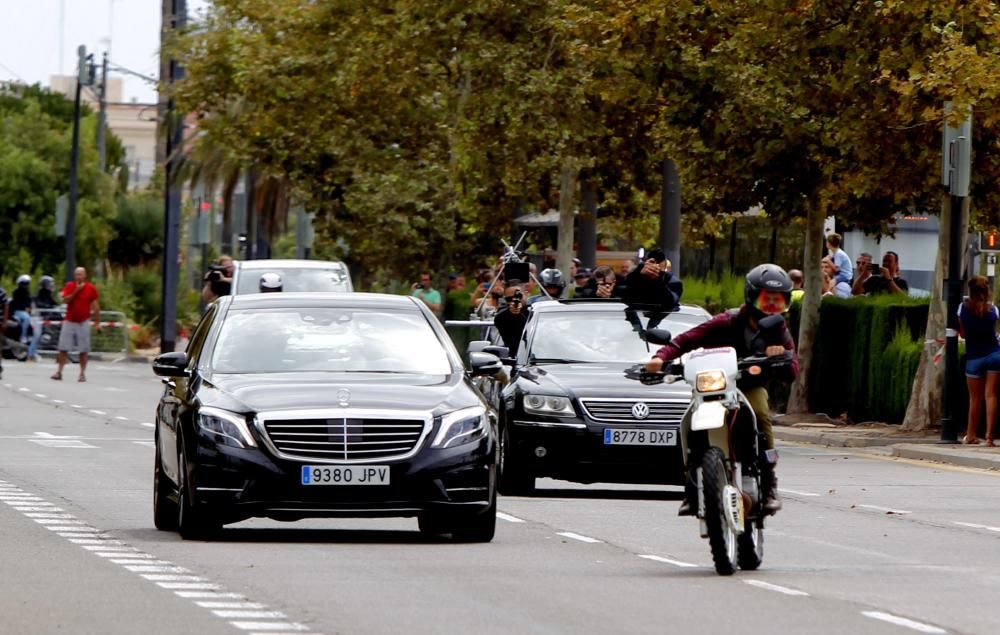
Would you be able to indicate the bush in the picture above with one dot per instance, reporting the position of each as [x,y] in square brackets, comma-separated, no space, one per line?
[714,294]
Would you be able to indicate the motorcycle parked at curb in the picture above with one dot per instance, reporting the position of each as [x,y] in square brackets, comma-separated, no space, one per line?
[722,446]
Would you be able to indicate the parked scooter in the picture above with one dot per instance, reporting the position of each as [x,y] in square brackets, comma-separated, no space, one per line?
[722,446]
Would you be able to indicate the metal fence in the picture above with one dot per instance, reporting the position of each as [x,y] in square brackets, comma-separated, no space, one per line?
[113,337]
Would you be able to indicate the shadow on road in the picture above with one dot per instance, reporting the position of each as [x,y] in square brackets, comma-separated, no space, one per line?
[609,494]
[293,534]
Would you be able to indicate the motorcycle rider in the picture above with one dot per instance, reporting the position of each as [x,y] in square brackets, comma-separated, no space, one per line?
[270,283]
[45,300]
[767,291]
[20,305]
[554,284]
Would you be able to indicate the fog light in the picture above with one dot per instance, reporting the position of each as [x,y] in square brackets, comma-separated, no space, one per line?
[540,452]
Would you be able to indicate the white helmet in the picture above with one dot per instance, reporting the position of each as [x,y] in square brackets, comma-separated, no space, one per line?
[23,279]
[270,283]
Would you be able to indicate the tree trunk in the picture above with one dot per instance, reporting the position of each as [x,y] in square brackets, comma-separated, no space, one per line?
[798,401]
[567,208]
[924,409]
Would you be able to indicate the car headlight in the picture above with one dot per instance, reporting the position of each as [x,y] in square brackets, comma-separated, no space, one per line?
[228,428]
[462,426]
[548,405]
[711,381]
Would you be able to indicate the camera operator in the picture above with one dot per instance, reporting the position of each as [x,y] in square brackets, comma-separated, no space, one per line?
[218,280]
[513,316]
[653,284]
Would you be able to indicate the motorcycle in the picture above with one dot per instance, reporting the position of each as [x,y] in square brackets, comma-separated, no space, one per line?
[722,445]
[11,338]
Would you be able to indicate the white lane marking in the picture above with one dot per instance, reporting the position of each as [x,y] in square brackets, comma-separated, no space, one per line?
[71,534]
[120,418]
[74,405]
[40,395]
[36,508]
[133,559]
[509,518]
[902,621]
[63,443]
[216,595]
[977,526]
[760,584]
[796,492]
[151,568]
[172,577]
[47,515]
[58,401]
[8,386]
[269,626]
[676,563]
[147,425]
[189,586]
[210,604]
[99,412]
[580,537]
[23,389]
[230,614]
[82,529]
[887,510]
[148,444]
[105,545]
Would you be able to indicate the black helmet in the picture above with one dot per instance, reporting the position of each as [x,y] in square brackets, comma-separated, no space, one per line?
[770,278]
[552,278]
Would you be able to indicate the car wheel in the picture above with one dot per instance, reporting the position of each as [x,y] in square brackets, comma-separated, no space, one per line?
[165,511]
[479,527]
[515,479]
[193,521]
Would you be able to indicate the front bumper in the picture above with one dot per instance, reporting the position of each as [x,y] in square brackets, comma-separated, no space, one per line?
[573,449]
[240,483]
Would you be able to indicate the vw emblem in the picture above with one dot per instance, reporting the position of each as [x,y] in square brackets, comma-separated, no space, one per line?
[640,410]
[344,397]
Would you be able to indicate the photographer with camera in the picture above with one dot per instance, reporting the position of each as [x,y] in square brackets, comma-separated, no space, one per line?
[653,284]
[511,319]
[885,279]
[426,293]
[218,280]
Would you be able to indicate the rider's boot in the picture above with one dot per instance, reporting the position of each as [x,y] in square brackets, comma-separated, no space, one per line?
[689,506]
[772,504]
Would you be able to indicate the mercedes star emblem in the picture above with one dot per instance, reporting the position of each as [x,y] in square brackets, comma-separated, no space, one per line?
[640,410]
[344,397]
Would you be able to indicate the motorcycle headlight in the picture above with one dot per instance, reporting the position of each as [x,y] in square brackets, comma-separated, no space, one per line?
[711,381]
[462,426]
[228,428]
[548,405]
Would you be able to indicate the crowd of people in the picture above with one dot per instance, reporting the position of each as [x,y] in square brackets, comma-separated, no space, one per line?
[842,279]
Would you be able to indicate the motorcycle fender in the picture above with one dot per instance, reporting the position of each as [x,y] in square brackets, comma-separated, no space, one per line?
[711,415]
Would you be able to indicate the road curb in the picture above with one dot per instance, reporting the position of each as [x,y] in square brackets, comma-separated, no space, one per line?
[842,440]
[953,455]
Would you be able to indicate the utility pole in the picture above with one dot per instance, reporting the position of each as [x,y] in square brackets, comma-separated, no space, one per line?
[670,219]
[102,115]
[174,128]
[82,78]
[956,168]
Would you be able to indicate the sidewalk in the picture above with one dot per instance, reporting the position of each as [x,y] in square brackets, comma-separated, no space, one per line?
[893,442]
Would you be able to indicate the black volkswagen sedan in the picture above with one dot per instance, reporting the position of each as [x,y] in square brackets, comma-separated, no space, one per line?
[570,413]
[291,406]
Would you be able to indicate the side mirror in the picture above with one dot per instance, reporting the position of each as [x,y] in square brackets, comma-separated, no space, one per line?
[658,336]
[500,351]
[770,323]
[484,364]
[171,365]
[477,346]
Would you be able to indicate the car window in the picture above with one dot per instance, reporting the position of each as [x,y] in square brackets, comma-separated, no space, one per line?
[328,340]
[601,336]
[200,333]
[293,279]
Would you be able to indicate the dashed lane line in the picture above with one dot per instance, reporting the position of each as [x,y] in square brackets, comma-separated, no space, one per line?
[796,492]
[760,584]
[98,412]
[575,536]
[887,510]
[120,418]
[58,401]
[676,563]
[509,518]
[239,611]
[147,425]
[41,396]
[976,526]
[903,621]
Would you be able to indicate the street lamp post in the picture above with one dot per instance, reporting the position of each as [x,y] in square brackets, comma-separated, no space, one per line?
[83,77]
[172,196]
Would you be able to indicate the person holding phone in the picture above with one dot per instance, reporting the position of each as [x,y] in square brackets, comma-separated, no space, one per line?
[885,279]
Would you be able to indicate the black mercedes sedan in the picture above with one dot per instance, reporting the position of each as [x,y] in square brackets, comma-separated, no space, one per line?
[570,413]
[291,406]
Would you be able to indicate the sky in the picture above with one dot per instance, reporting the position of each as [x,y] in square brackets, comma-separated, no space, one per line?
[30,38]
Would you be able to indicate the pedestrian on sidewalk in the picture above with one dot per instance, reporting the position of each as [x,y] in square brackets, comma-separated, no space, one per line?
[978,321]
[81,300]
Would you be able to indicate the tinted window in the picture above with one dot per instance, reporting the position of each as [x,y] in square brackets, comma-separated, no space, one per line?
[200,333]
[324,339]
[330,279]
[600,337]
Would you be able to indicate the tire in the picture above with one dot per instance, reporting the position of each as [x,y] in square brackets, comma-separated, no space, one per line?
[463,527]
[165,511]
[193,522]
[721,536]
[750,547]
[515,479]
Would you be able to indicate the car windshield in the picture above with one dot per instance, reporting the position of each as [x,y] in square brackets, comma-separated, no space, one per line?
[292,279]
[328,340]
[601,336]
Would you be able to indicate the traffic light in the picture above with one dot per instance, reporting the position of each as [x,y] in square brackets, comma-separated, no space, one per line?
[989,240]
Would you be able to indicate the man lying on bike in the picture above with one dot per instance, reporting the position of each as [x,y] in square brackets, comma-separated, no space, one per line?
[767,292]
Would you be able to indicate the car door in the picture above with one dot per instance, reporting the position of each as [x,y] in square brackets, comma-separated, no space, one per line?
[176,397]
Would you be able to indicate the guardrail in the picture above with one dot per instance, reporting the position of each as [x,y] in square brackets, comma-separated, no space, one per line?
[113,337]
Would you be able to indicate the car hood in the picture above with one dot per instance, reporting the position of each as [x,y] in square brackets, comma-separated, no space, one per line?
[303,391]
[595,380]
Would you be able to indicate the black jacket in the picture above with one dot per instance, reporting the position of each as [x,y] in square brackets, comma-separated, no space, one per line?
[511,327]
[663,291]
